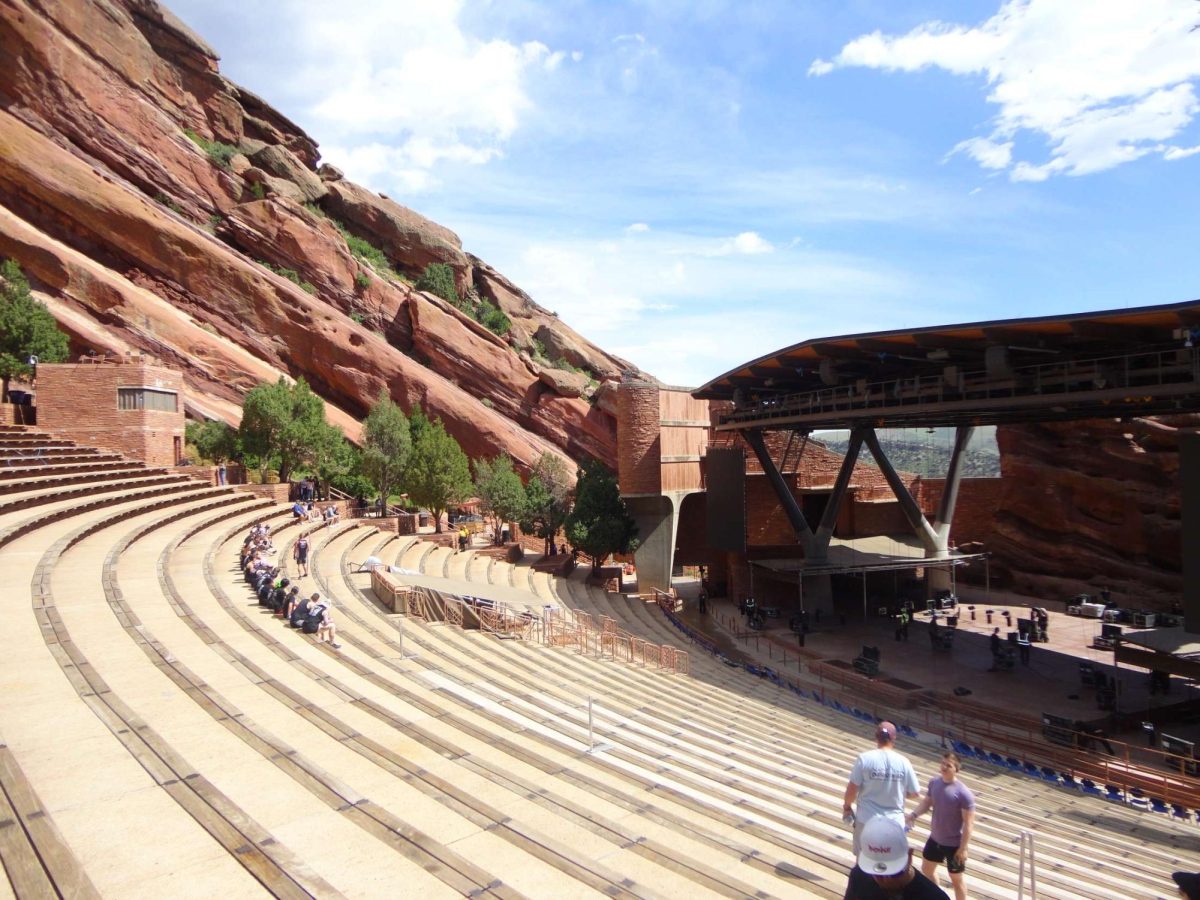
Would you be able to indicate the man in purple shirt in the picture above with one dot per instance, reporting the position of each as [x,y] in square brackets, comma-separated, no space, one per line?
[950,832]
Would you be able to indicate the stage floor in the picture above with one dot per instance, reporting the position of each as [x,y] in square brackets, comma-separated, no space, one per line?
[1050,683]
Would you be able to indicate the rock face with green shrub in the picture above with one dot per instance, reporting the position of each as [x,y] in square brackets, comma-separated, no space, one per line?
[156,206]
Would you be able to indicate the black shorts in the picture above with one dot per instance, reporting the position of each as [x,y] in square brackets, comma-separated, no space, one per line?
[935,852]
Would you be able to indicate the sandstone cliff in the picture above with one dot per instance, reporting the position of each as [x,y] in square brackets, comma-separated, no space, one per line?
[154,204]
[1088,506]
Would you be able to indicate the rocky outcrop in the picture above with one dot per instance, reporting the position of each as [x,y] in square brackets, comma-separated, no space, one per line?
[1091,505]
[532,323]
[407,238]
[158,207]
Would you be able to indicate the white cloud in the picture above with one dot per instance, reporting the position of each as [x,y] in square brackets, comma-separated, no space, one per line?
[1101,84]
[1180,152]
[687,314]
[637,227]
[398,88]
[748,243]
[988,154]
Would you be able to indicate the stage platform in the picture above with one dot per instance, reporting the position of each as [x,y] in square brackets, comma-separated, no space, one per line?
[912,671]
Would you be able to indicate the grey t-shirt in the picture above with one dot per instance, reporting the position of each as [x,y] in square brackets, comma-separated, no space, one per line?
[884,779]
[949,802]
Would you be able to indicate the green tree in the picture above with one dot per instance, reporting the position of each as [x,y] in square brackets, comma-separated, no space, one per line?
[214,440]
[387,444]
[285,424]
[438,474]
[599,523]
[335,461]
[438,278]
[548,497]
[500,490]
[26,328]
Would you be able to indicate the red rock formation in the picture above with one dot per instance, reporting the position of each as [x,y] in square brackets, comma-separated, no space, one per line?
[137,239]
[1091,505]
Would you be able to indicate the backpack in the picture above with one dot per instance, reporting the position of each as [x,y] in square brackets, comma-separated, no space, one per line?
[265,590]
[299,614]
[312,619]
[279,599]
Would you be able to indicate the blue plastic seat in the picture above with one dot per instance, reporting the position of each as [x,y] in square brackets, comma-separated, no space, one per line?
[1159,806]
[1032,771]
[1013,763]
[1114,793]
[908,731]
[1089,787]
[996,759]
[1068,780]
[1180,812]
[1048,774]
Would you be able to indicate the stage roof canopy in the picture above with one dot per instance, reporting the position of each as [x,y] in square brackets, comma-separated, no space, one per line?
[1138,361]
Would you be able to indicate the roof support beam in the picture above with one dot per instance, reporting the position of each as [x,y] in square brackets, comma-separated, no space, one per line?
[834,506]
[754,437]
[916,519]
[962,437]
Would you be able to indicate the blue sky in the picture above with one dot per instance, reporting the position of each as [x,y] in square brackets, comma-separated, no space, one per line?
[693,184]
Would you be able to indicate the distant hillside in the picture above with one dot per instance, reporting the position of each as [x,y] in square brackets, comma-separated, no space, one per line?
[927,452]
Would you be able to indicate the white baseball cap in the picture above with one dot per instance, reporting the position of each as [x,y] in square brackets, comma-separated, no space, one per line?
[883,847]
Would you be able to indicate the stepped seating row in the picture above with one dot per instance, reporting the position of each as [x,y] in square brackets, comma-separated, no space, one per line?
[293,769]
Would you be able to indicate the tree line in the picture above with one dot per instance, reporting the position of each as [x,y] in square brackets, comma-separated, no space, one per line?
[412,456]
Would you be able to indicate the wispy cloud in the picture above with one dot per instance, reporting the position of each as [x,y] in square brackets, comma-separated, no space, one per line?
[671,291]
[1101,85]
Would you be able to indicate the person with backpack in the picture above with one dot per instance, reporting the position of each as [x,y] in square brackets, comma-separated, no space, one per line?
[313,615]
[327,630]
[279,595]
[289,602]
[300,554]
[299,612]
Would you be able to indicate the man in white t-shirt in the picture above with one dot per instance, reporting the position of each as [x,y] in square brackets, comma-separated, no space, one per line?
[879,782]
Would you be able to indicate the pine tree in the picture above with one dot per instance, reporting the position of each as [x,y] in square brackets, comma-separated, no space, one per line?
[387,445]
[500,490]
[599,523]
[438,474]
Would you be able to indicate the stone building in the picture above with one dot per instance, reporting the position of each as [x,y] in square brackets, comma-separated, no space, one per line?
[128,404]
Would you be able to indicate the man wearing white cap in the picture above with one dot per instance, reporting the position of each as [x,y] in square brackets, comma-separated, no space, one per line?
[885,870]
[879,782]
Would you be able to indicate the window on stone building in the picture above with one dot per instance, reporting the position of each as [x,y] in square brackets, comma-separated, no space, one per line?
[147,398]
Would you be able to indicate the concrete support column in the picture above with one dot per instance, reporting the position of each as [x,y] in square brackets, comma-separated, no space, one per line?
[791,508]
[945,516]
[657,519]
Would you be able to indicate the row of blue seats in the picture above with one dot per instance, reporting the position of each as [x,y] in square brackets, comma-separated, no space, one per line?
[1134,797]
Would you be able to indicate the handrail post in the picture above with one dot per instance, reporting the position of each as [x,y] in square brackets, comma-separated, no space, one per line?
[593,747]
[1027,848]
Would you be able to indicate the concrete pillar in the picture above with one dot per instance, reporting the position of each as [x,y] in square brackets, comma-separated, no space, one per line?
[658,523]
[962,436]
